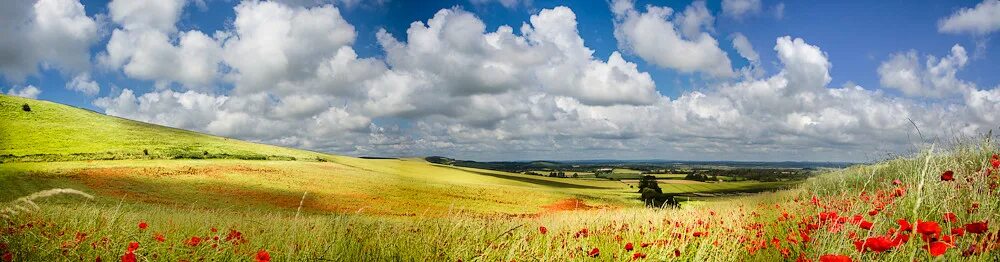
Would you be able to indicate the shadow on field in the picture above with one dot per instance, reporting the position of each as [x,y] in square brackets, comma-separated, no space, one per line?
[542,182]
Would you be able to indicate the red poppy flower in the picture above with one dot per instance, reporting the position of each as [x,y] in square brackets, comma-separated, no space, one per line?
[873,212]
[867,225]
[594,252]
[937,248]
[995,161]
[958,231]
[834,258]
[876,244]
[263,256]
[543,230]
[948,239]
[856,219]
[129,257]
[677,252]
[928,227]
[900,239]
[143,225]
[194,241]
[638,256]
[159,237]
[213,229]
[948,176]
[8,257]
[582,233]
[977,227]
[897,182]
[973,208]
[132,247]
[950,217]
[904,225]
[235,237]
[629,247]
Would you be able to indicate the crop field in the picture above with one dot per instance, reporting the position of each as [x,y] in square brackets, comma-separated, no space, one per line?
[76,193]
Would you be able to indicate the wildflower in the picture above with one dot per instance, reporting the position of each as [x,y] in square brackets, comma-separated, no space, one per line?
[948,176]
[263,256]
[977,227]
[900,239]
[867,225]
[8,257]
[877,244]
[897,182]
[159,237]
[235,237]
[937,248]
[873,212]
[677,252]
[904,225]
[594,252]
[629,247]
[928,227]
[143,225]
[973,208]
[958,231]
[582,233]
[638,256]
[194,241]
[834,258]
[950,217]
[543,230]
[995,161]
[129,257]
[856,219]
[214,230]
[130,252]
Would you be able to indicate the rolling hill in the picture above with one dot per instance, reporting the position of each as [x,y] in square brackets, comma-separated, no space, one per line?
[114,158]
[56,132]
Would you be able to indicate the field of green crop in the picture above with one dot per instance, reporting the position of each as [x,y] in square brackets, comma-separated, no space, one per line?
[169,206]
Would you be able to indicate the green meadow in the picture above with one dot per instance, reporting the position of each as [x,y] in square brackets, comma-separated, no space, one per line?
[209,198]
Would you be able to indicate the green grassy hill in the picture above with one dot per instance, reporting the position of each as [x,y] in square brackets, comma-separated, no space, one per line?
[56,132]
[58,146]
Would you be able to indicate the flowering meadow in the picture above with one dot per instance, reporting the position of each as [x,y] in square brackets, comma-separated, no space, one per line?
[937,205]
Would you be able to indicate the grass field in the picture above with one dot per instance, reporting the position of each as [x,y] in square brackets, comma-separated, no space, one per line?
[297,208]
[54,132]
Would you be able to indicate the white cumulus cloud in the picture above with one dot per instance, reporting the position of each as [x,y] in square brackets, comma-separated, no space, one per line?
[740,8]
[980,20]
[29,91]
[653,35]
[53,33]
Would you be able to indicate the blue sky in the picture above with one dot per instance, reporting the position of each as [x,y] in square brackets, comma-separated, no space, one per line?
[855,37]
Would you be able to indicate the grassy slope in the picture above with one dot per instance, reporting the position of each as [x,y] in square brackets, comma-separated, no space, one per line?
[407,187]
[54,131]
